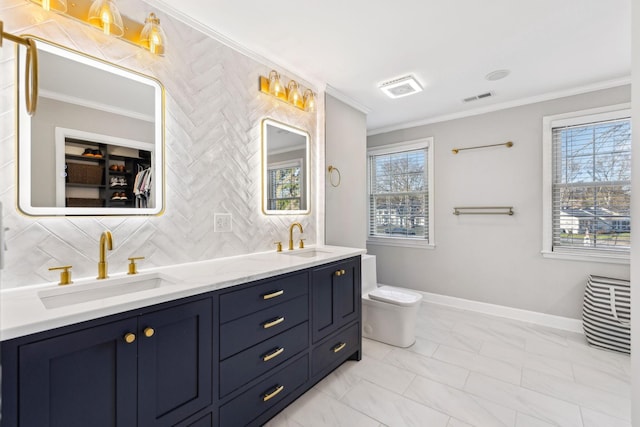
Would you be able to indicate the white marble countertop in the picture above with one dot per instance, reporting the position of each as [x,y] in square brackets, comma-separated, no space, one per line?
[23,312]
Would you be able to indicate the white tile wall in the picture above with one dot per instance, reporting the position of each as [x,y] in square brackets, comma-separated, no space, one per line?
[213,115]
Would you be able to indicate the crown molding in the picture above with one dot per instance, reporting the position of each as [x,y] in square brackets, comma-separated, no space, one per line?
[504,105]
[168,9]
[341,96]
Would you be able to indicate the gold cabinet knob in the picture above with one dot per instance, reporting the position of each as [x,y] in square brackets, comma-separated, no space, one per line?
[148,332]
[343,272]
[129,338]
[340,273]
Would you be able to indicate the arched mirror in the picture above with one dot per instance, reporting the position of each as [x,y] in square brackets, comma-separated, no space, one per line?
[95,145]
[285,169]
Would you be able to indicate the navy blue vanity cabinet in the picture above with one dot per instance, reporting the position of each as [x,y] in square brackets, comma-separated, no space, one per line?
[174,363]
[335,295]
[151,367]
[78,379]
[264,326]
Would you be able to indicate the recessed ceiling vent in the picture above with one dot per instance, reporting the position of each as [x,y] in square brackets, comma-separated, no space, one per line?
[478,97]
[403,86]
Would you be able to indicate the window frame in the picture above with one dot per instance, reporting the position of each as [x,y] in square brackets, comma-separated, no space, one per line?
[593,115]
[287,164]
[418,144]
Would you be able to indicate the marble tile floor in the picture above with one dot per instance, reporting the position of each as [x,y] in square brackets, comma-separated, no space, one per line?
[471,369]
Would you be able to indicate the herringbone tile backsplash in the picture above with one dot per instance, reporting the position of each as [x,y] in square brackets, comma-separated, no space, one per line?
[213,114]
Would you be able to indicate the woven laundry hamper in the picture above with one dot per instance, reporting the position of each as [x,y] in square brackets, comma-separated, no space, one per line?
[606,313]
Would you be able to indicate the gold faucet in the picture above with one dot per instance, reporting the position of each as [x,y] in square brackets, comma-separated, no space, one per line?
[106,242]
[291,233]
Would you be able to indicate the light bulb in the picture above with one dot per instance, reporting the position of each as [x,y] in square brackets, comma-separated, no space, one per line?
[275,87]
[309,101]
[152,35]
[105,15]
[293,95]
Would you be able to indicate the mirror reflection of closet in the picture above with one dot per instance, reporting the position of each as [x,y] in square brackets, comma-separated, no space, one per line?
[285,169]
[86,103]
[96,171]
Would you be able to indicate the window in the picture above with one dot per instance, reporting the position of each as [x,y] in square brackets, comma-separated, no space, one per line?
[284,186]
[588,184]
[400,194]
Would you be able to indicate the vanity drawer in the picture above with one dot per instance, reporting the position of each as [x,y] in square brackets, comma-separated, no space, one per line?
[249,364]
[242,333]
[339,347]
[248,406]
[234,305]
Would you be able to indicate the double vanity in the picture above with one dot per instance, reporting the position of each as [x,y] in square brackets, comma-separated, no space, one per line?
[224,342]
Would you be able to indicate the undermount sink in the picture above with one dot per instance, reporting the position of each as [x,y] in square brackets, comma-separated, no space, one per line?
[307,253]
[92,290]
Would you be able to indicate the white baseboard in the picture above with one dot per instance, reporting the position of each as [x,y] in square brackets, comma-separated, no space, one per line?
[549,320]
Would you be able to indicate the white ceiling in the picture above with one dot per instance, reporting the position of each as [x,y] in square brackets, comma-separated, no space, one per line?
[551,47]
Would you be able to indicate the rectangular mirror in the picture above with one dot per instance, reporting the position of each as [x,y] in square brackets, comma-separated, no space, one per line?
[285,169]
[95,145]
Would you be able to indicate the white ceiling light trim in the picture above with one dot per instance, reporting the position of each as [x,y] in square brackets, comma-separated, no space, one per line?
[400,87]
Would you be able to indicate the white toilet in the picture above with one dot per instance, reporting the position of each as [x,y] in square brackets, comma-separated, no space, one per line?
[388,313]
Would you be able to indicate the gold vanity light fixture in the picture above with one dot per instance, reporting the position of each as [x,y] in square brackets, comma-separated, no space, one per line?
[309,101]
[58,5]
[292,93]
[30,69]
[152,35]
[105,15]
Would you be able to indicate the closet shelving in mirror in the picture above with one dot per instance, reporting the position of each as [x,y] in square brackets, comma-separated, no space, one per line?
[99,177]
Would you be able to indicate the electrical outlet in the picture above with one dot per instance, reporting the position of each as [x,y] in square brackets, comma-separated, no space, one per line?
[221,222]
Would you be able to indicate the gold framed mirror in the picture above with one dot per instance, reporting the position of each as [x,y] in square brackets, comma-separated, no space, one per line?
[95,146]
[285,169]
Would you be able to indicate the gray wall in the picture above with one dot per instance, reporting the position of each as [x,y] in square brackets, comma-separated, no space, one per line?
[635,218]
[213,127]
[494,259]
[345,205]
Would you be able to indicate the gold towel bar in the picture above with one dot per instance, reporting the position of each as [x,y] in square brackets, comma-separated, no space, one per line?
[30,70]
[507,144]
[483,210]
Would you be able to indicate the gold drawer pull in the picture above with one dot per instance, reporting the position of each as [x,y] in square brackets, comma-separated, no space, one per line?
[274,393]
[275,322]
[340,273]
[273,354]
[129,338]
[339,347]
[273,294]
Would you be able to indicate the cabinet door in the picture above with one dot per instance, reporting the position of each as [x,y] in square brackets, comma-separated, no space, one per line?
[84,378]
[175,363]
[336,296]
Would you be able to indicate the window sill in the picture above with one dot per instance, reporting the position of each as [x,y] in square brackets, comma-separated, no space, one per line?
[400,242]
[595,257]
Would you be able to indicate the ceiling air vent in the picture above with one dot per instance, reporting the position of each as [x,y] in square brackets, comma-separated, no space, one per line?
[478,97]
[403,86]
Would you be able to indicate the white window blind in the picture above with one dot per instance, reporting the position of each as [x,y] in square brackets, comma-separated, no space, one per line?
[399,192]
[591,185]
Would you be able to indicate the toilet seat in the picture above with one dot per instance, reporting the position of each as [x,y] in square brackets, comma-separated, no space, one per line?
[393,295]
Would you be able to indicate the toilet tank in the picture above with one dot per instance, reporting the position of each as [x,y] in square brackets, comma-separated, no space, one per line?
[369,277]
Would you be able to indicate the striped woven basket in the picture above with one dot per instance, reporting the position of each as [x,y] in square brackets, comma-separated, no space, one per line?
[606,313]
